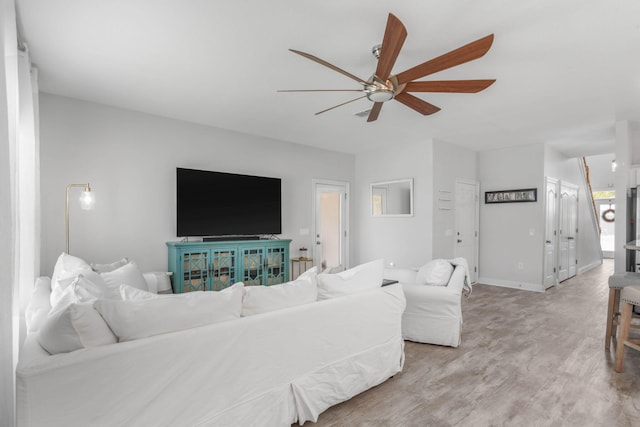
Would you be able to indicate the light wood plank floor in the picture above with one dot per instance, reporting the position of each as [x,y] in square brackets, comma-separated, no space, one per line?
[526,359]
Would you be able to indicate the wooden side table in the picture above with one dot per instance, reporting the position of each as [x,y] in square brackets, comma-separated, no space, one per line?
[299,266]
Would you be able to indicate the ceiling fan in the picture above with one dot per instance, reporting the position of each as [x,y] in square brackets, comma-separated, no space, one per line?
[383,86]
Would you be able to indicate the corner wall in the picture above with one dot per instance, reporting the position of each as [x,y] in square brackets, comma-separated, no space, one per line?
[130,159]
[404,241]
[451,162]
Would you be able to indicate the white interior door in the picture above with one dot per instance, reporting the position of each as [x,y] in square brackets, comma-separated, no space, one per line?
[331,224]
[466,222]
[551,233]
[568,253]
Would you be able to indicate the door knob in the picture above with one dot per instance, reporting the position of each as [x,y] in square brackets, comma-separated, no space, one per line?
[459,241]
[317,242]
[548,241]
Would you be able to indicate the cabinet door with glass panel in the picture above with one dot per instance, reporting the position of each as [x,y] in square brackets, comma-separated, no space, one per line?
[213,266]
[264,264]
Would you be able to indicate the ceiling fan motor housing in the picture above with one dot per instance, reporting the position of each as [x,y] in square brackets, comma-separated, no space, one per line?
[379,91]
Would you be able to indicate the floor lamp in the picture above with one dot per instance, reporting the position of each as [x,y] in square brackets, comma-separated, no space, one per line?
[87,203]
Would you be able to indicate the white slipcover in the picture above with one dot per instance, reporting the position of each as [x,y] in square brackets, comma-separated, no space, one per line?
[270,369]
[434,313]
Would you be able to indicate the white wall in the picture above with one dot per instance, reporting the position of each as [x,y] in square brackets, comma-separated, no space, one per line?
[405,241]
[600,174]
[506,229]
[451,162]
[130,159]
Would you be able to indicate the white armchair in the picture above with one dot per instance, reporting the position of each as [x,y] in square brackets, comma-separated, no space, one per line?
[433,313]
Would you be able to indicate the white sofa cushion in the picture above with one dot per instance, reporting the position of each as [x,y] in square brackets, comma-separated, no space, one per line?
[103,268]
[262,299]
[435,273]
[357,279]
[130,293]
[139,318]
[128,274]
[74,327]
[39,305]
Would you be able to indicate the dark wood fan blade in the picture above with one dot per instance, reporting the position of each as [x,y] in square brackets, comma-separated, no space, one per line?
[422,107]
[394,36]
[375,112]
[326,64]
[340,105]
[466,53]
[459,86]
[319,90]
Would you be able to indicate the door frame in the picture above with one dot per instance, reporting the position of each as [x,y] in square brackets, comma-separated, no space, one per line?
[474,272]
[555,239]
[315,184]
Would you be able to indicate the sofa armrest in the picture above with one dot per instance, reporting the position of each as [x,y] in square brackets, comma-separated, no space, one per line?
[456,281]
[402,275]
[158,282]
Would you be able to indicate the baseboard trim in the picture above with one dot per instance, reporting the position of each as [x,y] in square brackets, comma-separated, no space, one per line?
[589,267]
[534,287]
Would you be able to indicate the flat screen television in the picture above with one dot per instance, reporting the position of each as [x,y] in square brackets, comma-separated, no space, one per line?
[227,204]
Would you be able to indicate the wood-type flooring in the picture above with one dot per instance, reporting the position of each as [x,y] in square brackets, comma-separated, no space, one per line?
[526,359]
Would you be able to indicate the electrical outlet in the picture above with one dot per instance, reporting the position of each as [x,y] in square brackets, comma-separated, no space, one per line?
[521,265]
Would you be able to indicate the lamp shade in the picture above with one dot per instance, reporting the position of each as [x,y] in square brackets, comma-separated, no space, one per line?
[87,200]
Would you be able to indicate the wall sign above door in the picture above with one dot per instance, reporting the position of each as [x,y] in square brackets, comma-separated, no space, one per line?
[511,196]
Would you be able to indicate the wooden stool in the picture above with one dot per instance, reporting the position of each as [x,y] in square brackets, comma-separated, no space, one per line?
[630,296]
[617,282]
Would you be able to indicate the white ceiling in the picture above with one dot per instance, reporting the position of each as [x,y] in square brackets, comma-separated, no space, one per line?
[566,70]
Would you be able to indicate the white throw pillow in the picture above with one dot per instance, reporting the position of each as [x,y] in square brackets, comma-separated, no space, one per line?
[80,290]
[261,299]
[128,274]
[103,268]
[68,289]
[134,319]
[311,274]
[74,327]
[435,273]
[66,269]
[68,265]
[357,279]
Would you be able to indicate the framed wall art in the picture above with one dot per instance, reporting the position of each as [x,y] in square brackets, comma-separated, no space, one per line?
[511,196]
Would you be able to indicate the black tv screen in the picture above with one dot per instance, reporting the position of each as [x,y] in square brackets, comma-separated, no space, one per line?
[227,204]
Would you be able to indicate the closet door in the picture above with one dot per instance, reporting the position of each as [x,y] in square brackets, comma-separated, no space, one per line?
[551,233]
[568,232]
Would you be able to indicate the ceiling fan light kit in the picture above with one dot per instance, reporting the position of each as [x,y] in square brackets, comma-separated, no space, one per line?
[383,86]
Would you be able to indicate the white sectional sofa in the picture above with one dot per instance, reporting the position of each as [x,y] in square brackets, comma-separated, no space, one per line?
[268,369]
[434,301]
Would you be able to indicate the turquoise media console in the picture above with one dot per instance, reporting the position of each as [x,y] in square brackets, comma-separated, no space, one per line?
[212,266]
